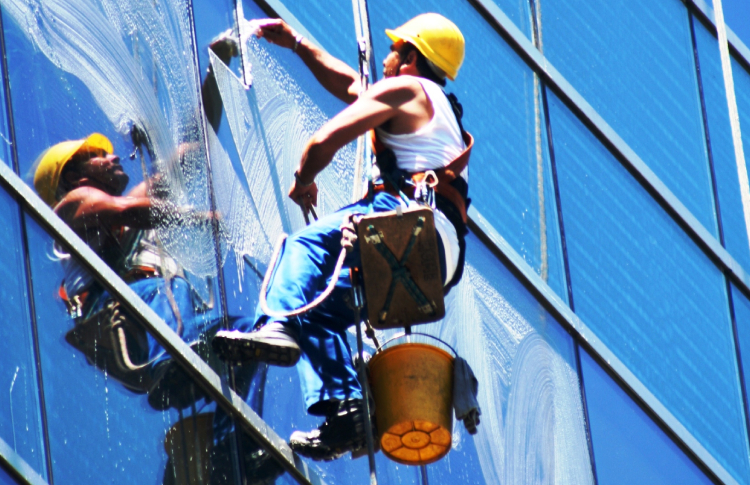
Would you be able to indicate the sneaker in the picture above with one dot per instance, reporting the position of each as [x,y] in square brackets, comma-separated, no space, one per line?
[272,343]
[343,431]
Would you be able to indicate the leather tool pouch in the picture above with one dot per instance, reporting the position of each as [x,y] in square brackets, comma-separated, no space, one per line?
[112,341]
[401,267]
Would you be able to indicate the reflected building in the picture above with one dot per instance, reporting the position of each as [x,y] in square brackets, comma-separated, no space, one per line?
[605,306]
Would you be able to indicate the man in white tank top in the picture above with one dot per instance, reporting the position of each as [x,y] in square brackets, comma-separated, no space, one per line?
[414,118]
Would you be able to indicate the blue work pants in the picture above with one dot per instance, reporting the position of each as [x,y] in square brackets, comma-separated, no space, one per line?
[305,266]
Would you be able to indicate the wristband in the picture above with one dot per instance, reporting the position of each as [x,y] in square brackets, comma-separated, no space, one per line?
[297,39]
[300,182]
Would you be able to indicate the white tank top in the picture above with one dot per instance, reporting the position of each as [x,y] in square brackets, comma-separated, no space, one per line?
[433,146]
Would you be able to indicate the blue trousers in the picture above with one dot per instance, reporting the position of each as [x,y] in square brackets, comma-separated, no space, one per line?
[304,269]
[153,291]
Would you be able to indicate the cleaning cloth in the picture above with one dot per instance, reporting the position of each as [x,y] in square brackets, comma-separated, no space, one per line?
[465,389]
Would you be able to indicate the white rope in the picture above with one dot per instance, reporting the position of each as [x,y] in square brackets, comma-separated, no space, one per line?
[309,306]
[734,116]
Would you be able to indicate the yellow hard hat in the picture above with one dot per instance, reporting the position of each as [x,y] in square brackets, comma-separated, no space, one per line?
[50,164]
[437,38]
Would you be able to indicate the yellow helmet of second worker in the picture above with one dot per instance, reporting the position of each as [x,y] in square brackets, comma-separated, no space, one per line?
[437,38]
[50,164]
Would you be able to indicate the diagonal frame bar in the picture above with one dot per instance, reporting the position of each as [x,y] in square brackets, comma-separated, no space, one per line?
[196,368]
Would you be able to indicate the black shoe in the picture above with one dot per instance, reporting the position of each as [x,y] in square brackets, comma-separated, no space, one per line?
[273,343]
[342,432]
[172,387]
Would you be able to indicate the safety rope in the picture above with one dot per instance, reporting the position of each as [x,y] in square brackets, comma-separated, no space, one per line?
[317,301]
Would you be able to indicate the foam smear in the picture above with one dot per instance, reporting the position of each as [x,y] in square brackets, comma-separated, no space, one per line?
[270,125]
[152,86]
[532,429]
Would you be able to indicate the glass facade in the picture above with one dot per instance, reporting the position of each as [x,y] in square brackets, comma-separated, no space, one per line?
[606,317]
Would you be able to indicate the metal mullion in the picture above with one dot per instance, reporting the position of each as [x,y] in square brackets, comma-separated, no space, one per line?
[614,143]
[706,14]
[196,368]
[720,226]
[588,339]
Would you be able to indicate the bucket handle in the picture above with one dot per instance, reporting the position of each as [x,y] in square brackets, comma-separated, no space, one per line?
[409,334]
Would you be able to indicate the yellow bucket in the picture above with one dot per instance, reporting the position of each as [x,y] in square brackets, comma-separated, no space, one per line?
[412,385]
[188,444]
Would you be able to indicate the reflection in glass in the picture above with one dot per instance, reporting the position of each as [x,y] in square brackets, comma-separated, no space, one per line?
[643,286]
[20,412]
[629,447]
[103,420]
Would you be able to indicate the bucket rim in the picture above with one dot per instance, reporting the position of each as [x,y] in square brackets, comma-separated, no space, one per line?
[382,348]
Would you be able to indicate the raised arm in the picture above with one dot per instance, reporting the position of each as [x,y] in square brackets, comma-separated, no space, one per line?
[87,207]
[398,102]
[333,74]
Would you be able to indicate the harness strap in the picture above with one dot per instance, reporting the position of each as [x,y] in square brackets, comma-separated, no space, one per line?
[445,175]
[399,272]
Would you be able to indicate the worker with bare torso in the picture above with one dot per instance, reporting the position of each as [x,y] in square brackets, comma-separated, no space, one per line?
[83,181]
[416,123]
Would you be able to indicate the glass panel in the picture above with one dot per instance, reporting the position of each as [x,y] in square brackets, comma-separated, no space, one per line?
[114,398]
[647,291]
[532,417]
[633,62]
[629,447]
[20,413]
[736,13]
[742,320]
[722,147]
[131,79]
[509,179]
[331,23]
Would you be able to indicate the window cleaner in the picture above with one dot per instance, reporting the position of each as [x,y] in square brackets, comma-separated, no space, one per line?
[422,153]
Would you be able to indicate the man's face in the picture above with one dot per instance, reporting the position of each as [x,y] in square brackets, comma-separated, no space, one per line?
[392,61]
[104,168]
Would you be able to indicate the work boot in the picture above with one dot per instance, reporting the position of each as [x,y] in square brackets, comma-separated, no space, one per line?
[343,431]
[272,343]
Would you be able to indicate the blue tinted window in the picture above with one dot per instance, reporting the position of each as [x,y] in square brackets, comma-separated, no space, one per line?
[509,181]
[331,23]
[628,446]
[633,62]
[736,13]
[20,412]
[722,147]
[741,77]
[648,292]
[742,320]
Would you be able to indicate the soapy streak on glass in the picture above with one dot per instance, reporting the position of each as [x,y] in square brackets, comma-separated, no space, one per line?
[270,124]
[89,39]
[532,418]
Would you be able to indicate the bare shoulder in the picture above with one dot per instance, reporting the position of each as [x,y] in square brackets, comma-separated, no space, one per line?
[68,206]
[398,89]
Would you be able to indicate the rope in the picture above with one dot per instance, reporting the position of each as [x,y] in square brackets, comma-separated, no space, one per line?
[309,306]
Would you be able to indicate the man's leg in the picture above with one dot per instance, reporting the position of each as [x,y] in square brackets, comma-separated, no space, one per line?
[305,263]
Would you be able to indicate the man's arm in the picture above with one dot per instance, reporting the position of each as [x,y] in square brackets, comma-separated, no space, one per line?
[87,207]
[333,74]
[391,100]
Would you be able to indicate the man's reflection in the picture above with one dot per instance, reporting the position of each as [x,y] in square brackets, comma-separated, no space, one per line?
[202,448]
[84,182]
